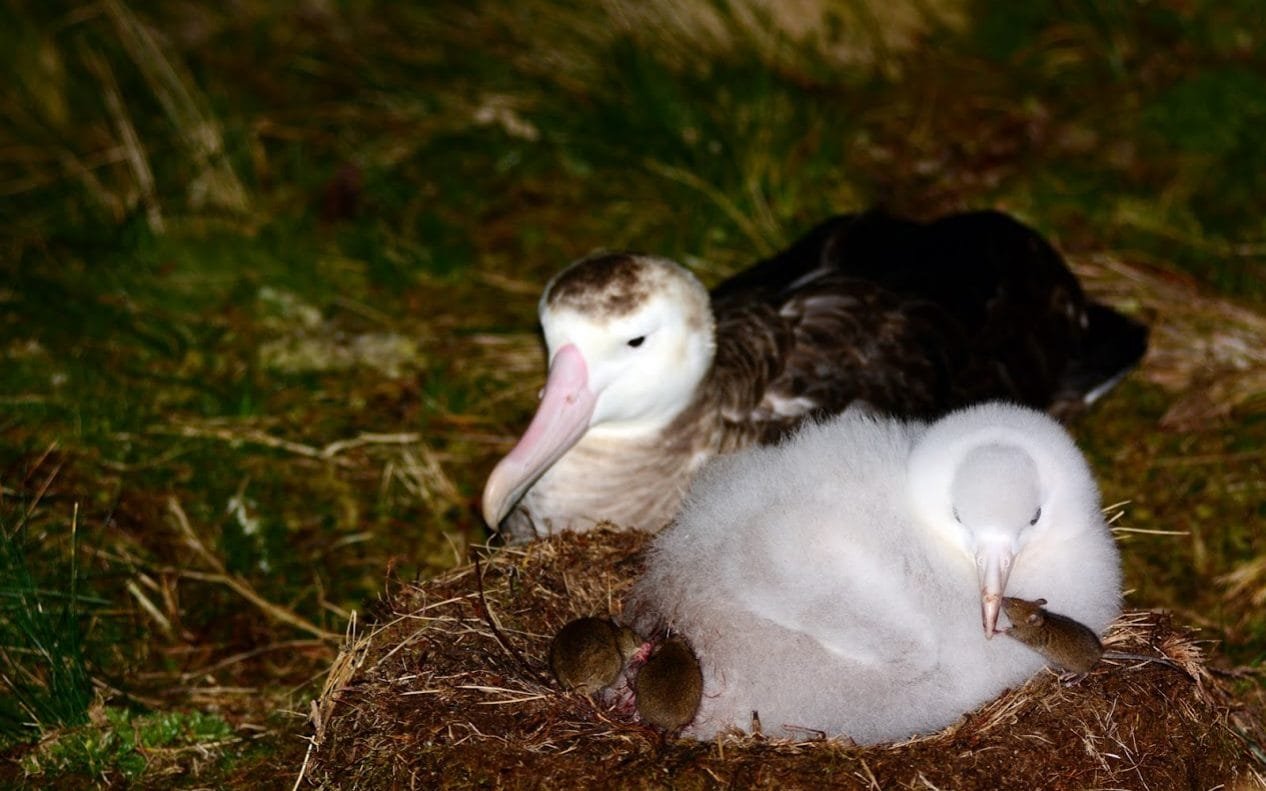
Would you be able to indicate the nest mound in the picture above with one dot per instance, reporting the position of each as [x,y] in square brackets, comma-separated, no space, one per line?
[452,689]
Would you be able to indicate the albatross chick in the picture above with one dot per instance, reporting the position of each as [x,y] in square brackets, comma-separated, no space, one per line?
[849,580]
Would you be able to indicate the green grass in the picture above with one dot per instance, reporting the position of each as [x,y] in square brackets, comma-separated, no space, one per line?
[122,746]
[41,645]
[255,233]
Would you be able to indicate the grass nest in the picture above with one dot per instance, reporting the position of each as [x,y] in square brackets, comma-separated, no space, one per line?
[452,689]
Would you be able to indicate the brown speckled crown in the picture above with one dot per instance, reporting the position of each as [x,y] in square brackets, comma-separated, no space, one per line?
[608,285]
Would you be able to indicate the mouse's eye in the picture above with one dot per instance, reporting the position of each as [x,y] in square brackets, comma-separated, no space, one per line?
[636,342]
[1036,517]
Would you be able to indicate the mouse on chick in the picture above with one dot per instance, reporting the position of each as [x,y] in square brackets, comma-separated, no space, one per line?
[589,654]
[669,687]
[1067,644]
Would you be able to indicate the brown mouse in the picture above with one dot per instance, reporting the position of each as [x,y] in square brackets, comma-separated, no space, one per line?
[1067,644]
[669,686]
[588,653]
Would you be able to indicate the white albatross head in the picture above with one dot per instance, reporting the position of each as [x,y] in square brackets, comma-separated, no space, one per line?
[629,338]
[993,478]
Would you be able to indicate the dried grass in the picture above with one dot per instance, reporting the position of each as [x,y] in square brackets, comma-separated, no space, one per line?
[215,184]
[1208,350]
[221,575]
[841,33]
[452,690]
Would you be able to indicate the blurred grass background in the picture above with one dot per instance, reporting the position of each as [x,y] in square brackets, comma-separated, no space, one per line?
[268,278]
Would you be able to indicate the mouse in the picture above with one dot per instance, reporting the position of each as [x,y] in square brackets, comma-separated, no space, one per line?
[589,653]
[669,686]
[1067,644]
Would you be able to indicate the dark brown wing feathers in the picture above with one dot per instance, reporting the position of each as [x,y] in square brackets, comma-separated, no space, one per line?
[913,319]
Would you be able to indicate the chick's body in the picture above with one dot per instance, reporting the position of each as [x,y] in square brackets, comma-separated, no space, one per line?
[838,582]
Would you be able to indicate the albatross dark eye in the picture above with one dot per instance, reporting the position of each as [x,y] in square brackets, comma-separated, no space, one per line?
[638,341]
[1036,517]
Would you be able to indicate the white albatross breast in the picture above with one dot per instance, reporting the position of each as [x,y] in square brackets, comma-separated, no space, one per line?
[650,375]
[848,580]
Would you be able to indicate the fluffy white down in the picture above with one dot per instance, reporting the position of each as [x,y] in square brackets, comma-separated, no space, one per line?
[821,588]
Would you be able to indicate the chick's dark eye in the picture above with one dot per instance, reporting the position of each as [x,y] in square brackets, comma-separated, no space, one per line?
[638,341]
[1036,517]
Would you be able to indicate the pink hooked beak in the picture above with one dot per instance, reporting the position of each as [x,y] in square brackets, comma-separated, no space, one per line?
[560,421]
[993,565]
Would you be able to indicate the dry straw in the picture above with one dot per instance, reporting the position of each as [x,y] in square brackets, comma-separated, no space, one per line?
[1207,350]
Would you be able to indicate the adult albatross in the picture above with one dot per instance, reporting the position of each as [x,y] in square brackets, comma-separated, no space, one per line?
[650,376]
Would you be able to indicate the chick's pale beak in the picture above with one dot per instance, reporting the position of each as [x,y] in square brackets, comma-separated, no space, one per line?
[993,565]
[560,421]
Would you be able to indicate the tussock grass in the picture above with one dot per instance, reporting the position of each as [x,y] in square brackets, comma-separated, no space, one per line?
[43,676]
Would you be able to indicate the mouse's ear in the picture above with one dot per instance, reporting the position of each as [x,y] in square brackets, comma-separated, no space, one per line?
[1040,602]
